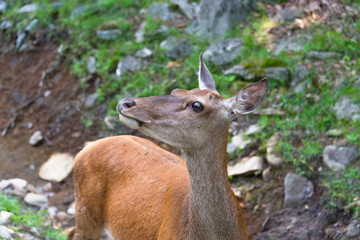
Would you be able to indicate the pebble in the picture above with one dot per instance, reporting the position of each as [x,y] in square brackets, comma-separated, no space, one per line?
[36,199]
[5,217]
[297,189]
[246,165]
[336,158]
[36,138]
[6,233]
[15,186]
[272,156]
[57,167]
[240,140]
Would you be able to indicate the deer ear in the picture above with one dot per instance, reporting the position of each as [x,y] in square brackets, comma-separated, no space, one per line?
[206,81]
[249,98]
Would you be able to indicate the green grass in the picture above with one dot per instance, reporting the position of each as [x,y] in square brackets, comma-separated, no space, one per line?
[25,218]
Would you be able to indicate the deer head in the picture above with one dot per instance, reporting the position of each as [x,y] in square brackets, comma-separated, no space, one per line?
[188,119]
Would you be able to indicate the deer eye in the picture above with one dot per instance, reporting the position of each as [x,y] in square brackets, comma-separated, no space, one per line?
[197,107]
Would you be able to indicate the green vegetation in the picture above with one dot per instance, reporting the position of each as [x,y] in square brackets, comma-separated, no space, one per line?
[25,218]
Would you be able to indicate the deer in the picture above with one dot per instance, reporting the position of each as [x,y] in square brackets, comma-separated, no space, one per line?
[133,189]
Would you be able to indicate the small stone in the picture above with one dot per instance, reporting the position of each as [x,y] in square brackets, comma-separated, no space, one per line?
[3,6]
[52,211]
[160,10]
[61,216]
[253,129]
[231,148]
[241,71]
[14,186]
[139,34]
[345,109]
[337,158]
[91,65]
[5,217]
[334,132]
[108,35]
[36,199]
[30,27]
[57,167]
[272,156]
[28,8]
[90,101]
[144,53]
[188,9]
[287,14]
[297,189]
[5,25]
[293,44]
[240,140]
[20,39]
[182,48]
[246,165]
[318,55]
[281,74]
[353,230]
[128,63]
[266,174]
[36,138]
[71,210]
[110,122]
[223,51]
[6,233]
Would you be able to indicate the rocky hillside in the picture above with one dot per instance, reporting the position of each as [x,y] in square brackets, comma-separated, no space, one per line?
[293,164]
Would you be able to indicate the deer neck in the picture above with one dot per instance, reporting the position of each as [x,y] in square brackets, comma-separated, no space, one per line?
[214,210]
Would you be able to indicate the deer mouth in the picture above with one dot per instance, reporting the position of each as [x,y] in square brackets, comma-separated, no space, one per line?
[131,122]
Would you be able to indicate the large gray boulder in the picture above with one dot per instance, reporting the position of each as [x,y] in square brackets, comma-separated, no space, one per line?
[215,17]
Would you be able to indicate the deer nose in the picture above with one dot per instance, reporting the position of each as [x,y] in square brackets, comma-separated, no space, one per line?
[125,104]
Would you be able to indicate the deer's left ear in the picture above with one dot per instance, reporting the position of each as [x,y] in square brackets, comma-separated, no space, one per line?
[206,81]
[249,98]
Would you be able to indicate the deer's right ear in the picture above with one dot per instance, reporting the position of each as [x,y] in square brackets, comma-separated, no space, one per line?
[249,98]
[206,81]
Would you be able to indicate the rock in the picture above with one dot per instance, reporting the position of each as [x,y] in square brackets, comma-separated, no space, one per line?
[345,109]
[28,8]
[168,43]
[5,217]
[108,35]
[61,216]
[241,71]
[231,148]
[223,51]
[36,138]
[30,27]
[353,230]
[36,200]
[266,174]
[144,53]
[71,210]
[6,233]
[20,37]
[337,158]
[297,189]
[356,83]
[160,10]
[91,65]
[52,211]
[139,34]
[84,10]
[318,55]
[90,101]
[5,25]
[281,74]
[110,122]
[182,48]
[287,14]
[188,9]
[14,186]
[216,17]
[253,129]
[3,6]
[272,156]
[57,167]
[294,44]
[128,63]
[246,165]
[240,140]
[298,80]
